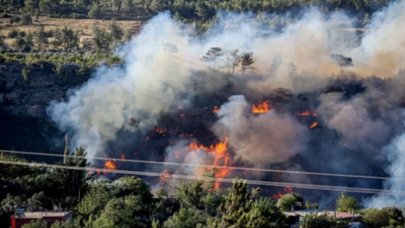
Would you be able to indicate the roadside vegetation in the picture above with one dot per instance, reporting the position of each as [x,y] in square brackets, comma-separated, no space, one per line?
[127,201]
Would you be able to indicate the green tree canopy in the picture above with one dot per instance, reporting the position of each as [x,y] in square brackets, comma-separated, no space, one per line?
[125,212]
[345,203]
[92,203]
[385,217]
[320,221]
[289,200]
[187,218]
[36,224]
[264,213]
[130,185]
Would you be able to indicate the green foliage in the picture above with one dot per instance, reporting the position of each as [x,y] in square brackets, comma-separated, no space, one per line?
[47,6]
[10,172]
[67,38]
[385,217]
[8,206]
[40,36]
[93,203]
[10,203]
[35,224]
[69,185]
[241,210]
[38,201]
[186,218]
[94,11]
[25,73]
[345,203]
[128,202]
[12,34]
[31,5]
[164,207]
[191,195]
[128,211]
[236,203]
[264,213]
[26,19]
[102,40]
[288,201]
[85,61]
[131,185]
[116,32]
[190,10]
[320,221]
[67,224]
[24,42]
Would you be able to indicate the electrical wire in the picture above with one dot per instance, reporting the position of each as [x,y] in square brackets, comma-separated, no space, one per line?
[225,180]
[294,172]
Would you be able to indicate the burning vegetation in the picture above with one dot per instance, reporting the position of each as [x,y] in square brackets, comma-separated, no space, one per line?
[261,108]
[110,165]
[221,158]
[330,99]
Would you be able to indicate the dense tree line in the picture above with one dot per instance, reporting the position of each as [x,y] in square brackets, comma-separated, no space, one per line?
[40,188]
[128,201]
[183,9]
[66,39]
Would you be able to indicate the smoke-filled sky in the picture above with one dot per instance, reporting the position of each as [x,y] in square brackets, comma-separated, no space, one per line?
[359,107]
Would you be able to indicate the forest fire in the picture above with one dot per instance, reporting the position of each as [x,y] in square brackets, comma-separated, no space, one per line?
[110,165]
[286,190]
[314,125]
[261,108]
[215,109]
[164,177]
[307,113]
[323,111]
[221,158]
[160,131]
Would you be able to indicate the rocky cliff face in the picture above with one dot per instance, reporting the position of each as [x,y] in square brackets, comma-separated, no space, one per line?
[25,93]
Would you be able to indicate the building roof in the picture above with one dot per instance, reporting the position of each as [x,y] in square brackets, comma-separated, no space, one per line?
[338,215]
[44,214]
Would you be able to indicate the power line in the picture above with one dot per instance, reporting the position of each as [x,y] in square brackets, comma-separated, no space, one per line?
[225,180]
[295,172]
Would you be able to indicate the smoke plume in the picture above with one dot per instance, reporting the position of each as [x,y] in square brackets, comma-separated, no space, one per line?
[336,96]
[259,140]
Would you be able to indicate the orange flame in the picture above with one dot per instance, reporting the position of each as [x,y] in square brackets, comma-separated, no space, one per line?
[307,113]
[261,108]
[286,190]
[314,125]
[221,158]
[215,109]
[110,165]
[160,131]
[164,177]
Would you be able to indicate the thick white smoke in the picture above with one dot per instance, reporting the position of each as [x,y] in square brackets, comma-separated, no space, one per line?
[351,119]
[157,66]
[163,69]
[381,51]
[395,154]
[180,152]
[259,139]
